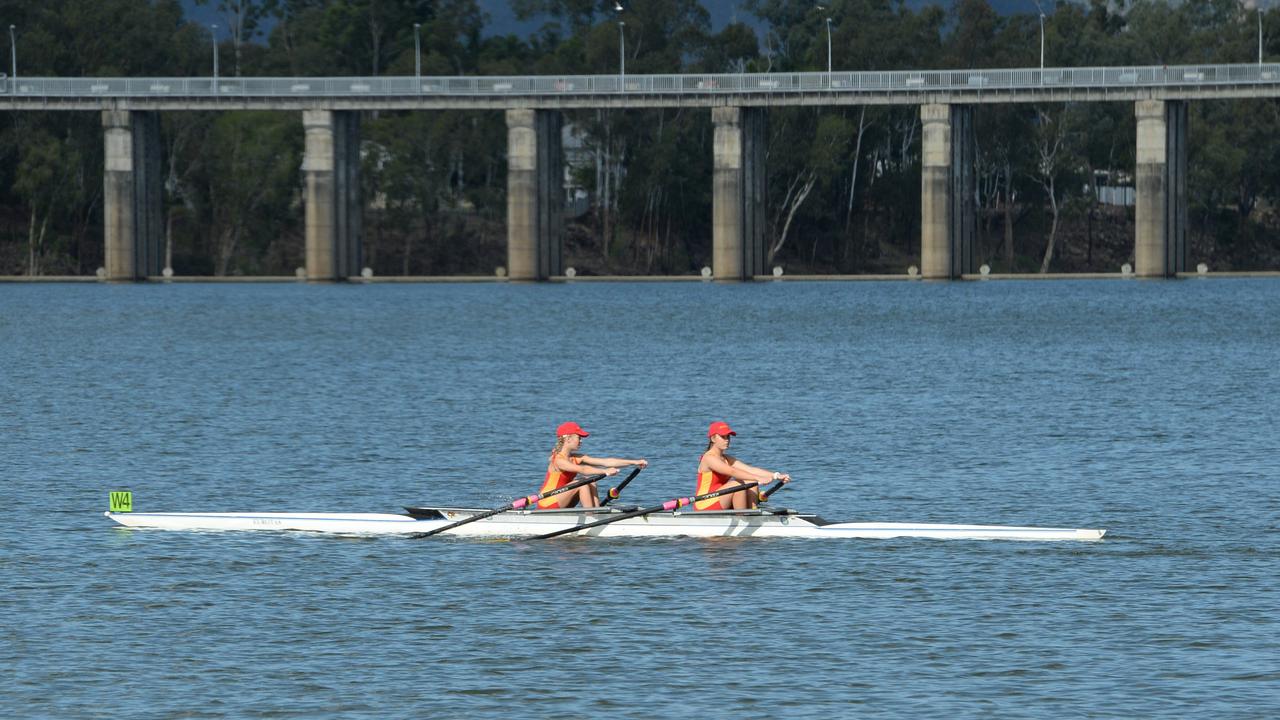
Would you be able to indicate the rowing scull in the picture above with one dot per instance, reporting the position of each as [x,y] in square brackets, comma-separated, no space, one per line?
[527,523]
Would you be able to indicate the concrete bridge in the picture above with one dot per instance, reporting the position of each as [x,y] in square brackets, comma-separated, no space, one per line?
[739,105]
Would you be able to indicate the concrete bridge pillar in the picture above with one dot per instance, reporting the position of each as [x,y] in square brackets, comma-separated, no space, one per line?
[739,193]
[1160,246]
[132,201]
[535,194]
[334,210]
[948,202]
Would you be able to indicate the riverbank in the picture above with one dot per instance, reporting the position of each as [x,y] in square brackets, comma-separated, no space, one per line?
[234,280]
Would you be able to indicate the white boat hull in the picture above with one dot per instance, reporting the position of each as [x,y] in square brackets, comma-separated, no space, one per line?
[525,523]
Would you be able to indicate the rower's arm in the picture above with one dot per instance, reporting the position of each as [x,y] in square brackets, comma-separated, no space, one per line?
[586,466]
[614,462]
[755,472]
[737,470]
[761,474]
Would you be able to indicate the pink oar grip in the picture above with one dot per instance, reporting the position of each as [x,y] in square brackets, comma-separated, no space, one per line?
[671,505]
[520,503]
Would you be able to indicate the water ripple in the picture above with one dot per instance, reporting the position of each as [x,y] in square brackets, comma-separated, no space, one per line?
[1145,408]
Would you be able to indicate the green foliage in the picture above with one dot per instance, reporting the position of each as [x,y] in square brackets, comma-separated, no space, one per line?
[435,183]
[252,180]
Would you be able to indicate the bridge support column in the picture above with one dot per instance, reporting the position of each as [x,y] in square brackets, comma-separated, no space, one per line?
[1160,247]
[535,194]
[334,210]
[948,204]
[739,193]
[132,201]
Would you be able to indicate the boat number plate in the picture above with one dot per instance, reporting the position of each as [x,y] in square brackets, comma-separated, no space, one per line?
[121,501]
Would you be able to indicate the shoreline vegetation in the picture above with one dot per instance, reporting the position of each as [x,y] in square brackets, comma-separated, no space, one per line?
[844,183]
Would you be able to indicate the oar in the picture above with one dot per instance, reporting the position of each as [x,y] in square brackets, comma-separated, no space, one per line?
[513,505]
[776,487]
[614,492]
[668,505]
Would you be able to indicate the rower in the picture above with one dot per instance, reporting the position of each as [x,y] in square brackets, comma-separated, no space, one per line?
[718,470]
[565,463]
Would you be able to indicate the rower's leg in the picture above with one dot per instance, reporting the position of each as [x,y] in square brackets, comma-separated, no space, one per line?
[587,496]
[566,500]
[737,501]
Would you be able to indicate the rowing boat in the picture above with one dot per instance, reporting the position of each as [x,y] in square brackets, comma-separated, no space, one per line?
[526,523]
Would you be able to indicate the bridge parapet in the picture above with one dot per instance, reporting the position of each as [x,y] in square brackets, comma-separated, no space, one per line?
[890,87]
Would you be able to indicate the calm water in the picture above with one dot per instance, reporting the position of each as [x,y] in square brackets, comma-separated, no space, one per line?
[1148,408]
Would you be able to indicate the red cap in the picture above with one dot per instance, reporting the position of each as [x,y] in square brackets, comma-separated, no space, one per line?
[720,428]
[571,428]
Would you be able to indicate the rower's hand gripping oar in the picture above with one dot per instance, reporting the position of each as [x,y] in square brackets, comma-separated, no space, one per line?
[614,492]
[776,487]
[526,501]
[668,505]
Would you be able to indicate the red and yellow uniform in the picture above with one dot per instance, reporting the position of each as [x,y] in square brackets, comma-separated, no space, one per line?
[709,482]
[556,479]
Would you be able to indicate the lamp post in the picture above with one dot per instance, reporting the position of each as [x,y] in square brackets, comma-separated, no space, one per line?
[417,51]
[828,46]
[213,32]
[13,54]
[622,50]
[1259,36]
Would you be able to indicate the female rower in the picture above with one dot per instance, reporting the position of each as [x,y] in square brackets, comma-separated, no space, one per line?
[565,464]
[718,470]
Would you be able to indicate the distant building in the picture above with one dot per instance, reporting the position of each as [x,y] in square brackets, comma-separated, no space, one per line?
[1114,188]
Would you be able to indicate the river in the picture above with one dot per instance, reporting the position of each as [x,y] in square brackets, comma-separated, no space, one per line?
[1146,408]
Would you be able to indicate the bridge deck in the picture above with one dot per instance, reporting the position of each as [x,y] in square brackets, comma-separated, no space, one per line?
[589,91]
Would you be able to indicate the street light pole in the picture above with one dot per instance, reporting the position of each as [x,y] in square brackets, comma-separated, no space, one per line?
[1259,35]
[13,56]
[622,50]
[213,32]
[417,51]
[828,46]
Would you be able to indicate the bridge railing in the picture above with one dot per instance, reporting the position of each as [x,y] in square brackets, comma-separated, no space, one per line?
[909,81]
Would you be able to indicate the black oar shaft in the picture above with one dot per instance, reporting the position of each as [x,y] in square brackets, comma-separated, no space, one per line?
[614,492]
[513,505]
[776,487]
[668,505]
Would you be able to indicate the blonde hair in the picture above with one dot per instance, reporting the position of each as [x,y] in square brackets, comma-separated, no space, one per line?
[559,446]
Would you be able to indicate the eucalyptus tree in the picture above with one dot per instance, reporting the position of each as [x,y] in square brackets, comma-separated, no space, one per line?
[52,162]
[243,21]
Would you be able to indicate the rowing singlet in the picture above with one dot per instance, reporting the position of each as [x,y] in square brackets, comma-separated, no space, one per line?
[709,482]
[555,480]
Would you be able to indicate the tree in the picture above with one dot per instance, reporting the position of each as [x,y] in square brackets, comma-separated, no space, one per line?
[252,180]
[44,179]
[244,20]
[1051,136]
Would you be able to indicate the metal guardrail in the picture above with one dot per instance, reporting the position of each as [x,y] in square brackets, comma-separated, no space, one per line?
[549,86]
